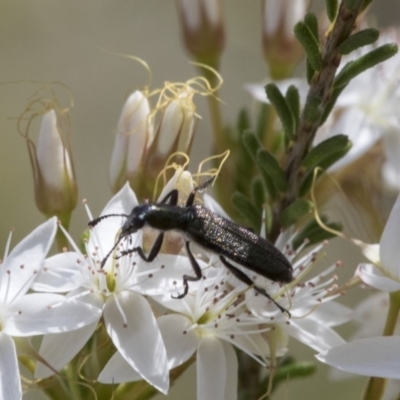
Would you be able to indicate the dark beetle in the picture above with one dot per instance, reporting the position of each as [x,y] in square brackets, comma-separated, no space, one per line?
[209,230]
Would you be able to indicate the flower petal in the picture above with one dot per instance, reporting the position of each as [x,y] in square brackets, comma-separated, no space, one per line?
[25,260]
[59,274]
[41,313]
[137,336]
[378,356]
[314,334]
[331,314]
[166,276]
[211,369]
[10,383]
[179,343]
[231,385]
[103,235]
[374,277]
[117,370]
[389,246]
[58,349]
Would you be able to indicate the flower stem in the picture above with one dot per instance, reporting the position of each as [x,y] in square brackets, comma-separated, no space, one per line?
[318,97]
[376,386]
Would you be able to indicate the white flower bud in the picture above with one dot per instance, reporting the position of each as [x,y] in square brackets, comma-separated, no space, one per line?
[177,125]
[55,184]
[134,135]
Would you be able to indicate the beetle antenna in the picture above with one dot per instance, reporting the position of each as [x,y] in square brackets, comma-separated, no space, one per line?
[206,183]
[103,261]
[95,221]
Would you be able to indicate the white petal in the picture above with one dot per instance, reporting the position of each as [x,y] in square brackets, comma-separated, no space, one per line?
[10,383]
[117,370]
[389,246]
[138,337]
[59,274]
[211,369]
[168,277]
[103,235]
[26,259]
[331,314]
[58,349]
[313,334]
[180,346]
[41,313]
[377,356]
[231,385]
[372,276]
[212,205]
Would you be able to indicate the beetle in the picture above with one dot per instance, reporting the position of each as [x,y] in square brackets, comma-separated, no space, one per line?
[209,230]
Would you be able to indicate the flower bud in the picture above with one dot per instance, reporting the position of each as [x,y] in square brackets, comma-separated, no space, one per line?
[175,131]
[134,135]
[203,30]
[282,50]
[55,185]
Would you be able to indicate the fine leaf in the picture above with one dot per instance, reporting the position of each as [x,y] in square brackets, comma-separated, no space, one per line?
[267,162]
[282,108]
[295,211]
[310,44]
[359,39]
[369,60]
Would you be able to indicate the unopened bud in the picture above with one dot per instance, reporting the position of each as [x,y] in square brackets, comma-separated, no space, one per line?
[282,50]
[55,185]
[175,132]
[203,30]
[134,135]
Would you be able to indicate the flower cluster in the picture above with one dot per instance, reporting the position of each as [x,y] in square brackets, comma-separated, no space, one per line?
[218,313]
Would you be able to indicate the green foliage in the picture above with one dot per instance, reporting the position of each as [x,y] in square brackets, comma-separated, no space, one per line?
[369,60]
[293,100]
[247,209]
[331,9]
[295,211]
[269,164]
[282,108]
[335,144]
[288,369]
[319,168]
[310,44]
[359,39]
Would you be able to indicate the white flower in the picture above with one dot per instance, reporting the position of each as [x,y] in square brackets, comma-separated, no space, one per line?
[207,322]
[116,289]
[23,314]
[313,313]
[375,356]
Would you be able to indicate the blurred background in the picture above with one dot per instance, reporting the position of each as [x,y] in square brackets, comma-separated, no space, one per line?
[49,40]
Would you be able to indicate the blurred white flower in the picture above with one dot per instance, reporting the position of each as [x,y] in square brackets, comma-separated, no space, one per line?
[23,314]
[375,356]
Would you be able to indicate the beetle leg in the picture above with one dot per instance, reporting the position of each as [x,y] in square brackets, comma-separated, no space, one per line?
[187,278]
[190,199]
[244,278]
[153,252]
[172,196]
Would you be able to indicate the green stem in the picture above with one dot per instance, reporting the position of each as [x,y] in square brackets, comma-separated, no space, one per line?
[317,99]
[61,240]
[376,386]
